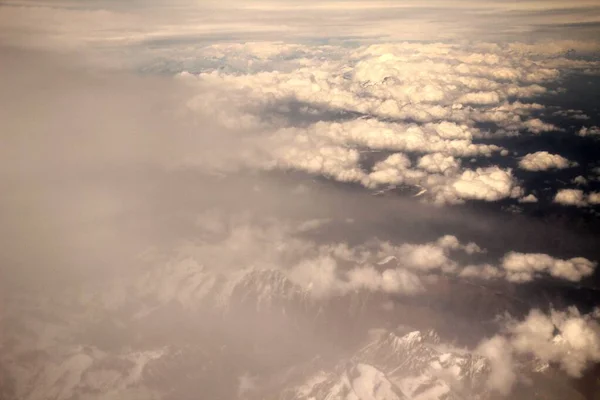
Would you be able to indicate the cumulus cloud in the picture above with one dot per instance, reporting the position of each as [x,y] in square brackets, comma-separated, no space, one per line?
[576,197]
[576,343]
[567,338]
[536,125]
[387,97]
[427,257]
[530,198]
[522,267]
[589,131]
[438,163]
[515,267]
[542,161]
[580,180]
[337,162]
[593,198]
[483,98]
[391,171]
[486,272]
[488,184]
[332,150]
[571,197]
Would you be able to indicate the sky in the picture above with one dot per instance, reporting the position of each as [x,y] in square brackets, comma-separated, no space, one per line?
[154,152]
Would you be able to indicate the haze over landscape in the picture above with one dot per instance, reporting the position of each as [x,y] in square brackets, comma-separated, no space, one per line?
[262,200]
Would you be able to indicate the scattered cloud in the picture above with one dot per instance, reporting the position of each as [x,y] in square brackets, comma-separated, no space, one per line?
[567,338]
[576,197]
[580,180]
[488,184]
[542,161]
[522,267]
[391,98]
[530,198]
[589,131]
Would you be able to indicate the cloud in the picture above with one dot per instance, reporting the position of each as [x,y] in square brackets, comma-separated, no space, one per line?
[567,338]
[486,272]
[317,276]
[52,24]
[576,197]
[571,197]
[391,171]
[235,249]
[589,131]
[479,98]
[580,180]
[522,267]
[336,162]
[438,163]
[536,125]
[530,198]
[576,343]
[392,280]
[502,375]
[542,161]
[488,184]
[593,198]
[387,98]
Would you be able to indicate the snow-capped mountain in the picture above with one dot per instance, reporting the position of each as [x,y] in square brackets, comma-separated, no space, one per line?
[190,333]
[410,366]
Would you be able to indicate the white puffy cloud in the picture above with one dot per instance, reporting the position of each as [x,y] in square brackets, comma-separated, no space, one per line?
[488,184]
[423,257]
[542,161]
[522,267]
[593,198]
[438,163]
[479,98]
[426,257]
[589,131]
[580,180]
[530,198]
[338,162]
[373,134]
[572,197]
[536,125]
[391,171]
[567,338]
[486,272]
[576,197]
[390,97]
